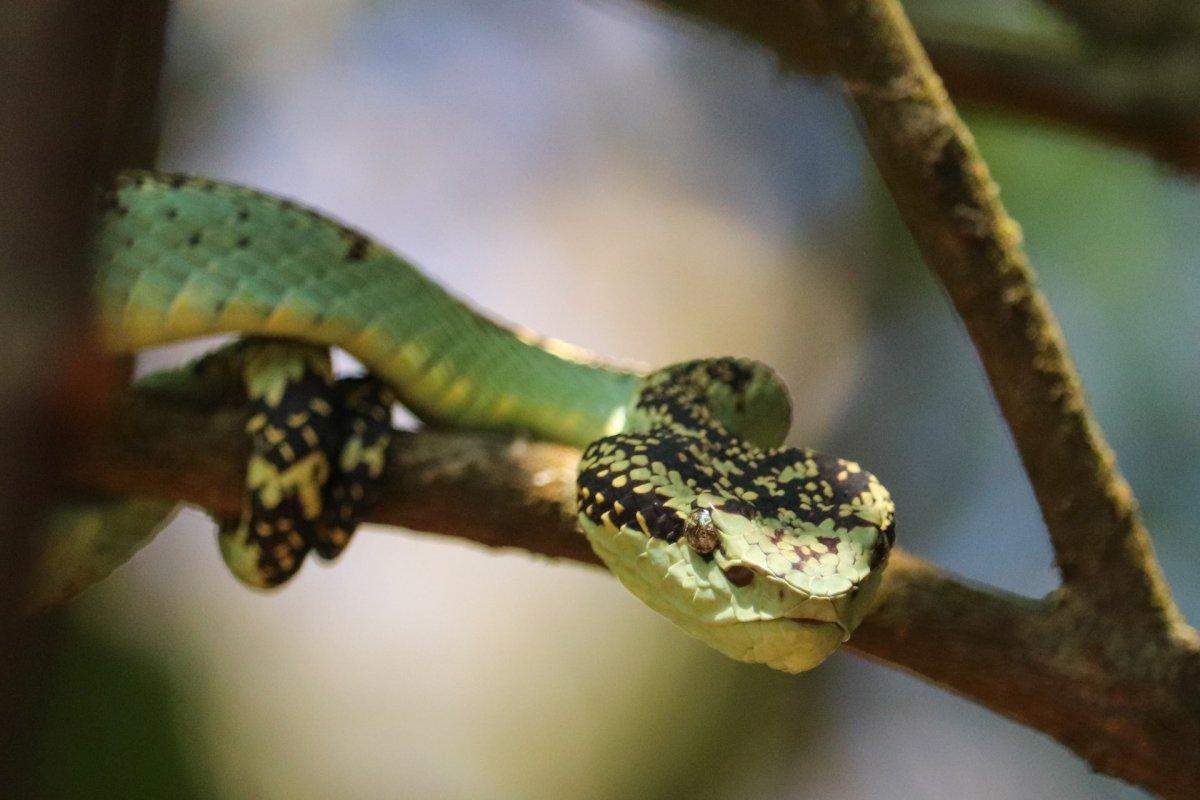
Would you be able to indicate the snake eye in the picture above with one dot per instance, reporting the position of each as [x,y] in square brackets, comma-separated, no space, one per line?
[739,575]
[700,532]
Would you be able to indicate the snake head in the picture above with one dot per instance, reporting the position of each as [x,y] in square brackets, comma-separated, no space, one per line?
[769,554]
[777,564]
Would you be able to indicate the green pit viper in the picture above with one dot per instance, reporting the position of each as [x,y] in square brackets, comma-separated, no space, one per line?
[768,553]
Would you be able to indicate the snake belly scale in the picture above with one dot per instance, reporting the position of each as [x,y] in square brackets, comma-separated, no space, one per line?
[768,553]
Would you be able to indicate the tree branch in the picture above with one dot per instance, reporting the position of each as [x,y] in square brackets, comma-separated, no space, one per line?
[1048,664]
[491,489]
[1148,103]
[1126,104]
[497,491]
[951,206]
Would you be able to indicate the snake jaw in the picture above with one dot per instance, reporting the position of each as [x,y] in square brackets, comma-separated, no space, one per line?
[846,611]
[767,621]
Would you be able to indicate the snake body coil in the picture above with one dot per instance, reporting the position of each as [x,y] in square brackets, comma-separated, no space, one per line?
[768,553]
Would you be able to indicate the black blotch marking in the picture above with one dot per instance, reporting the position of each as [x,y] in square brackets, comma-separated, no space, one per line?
[730,371]
[695,448]
[243,215]
[176,181]
[171,213]
[357,249]
[739,575]
[194,239]
[243,242]
[740,507]
[311,405]
[284,533]
[663,522]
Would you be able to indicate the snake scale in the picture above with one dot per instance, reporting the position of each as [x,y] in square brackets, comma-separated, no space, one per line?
[768,553]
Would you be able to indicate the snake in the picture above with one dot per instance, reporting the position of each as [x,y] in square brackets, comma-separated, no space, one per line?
[686,490]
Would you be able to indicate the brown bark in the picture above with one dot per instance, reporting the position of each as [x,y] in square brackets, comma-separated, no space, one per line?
[1127,702]
[1123,694]
[1149,100]
[952,207]
[58,59]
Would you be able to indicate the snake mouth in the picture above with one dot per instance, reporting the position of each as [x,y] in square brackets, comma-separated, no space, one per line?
[814,624]
[843,612]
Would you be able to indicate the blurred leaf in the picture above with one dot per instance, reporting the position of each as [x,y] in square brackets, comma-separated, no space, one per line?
[107,727]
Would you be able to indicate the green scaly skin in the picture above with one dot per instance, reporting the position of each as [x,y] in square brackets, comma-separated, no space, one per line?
[769,554]
[185,257]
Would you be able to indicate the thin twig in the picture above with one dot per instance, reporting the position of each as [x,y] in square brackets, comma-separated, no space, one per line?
[1132,108]
[1148,103]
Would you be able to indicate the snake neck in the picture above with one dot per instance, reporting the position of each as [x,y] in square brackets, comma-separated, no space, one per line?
[720,400]
[693,430]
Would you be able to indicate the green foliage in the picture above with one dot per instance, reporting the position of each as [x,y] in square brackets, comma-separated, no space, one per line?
[108,727]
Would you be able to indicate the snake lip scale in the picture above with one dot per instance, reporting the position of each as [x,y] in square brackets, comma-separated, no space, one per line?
[768,553]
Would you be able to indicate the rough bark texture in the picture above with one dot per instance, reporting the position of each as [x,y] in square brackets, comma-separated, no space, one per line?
[1123,694]
[952,207]
[1128,702]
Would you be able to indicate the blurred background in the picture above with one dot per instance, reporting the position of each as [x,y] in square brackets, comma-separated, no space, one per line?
[622,180]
